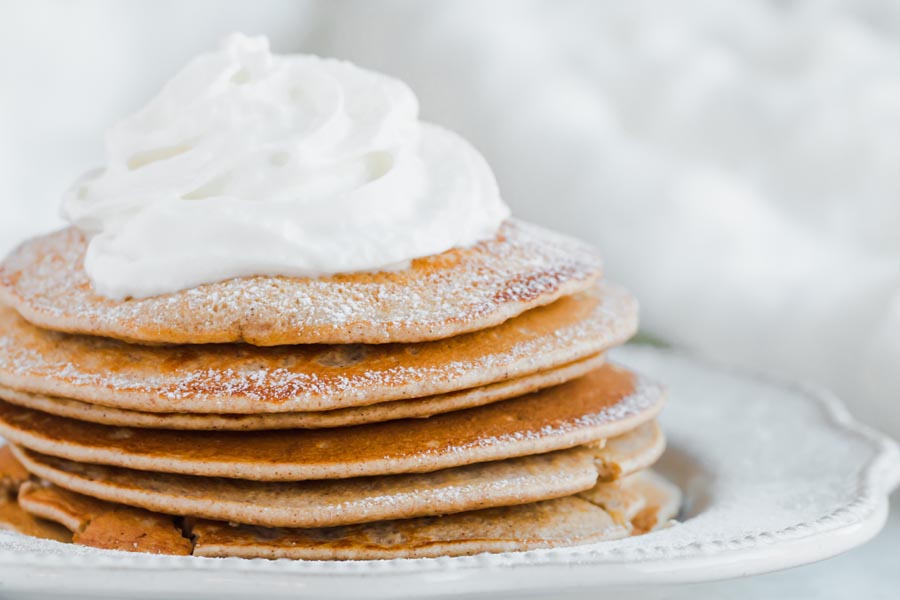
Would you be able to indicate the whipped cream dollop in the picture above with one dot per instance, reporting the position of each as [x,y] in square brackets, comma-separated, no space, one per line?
[249,163]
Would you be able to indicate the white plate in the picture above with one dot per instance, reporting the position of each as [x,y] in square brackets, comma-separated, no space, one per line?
[775,475]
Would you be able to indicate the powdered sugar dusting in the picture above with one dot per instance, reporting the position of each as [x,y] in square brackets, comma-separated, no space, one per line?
[249,379]
[606,402]
[440,296]
[642,402]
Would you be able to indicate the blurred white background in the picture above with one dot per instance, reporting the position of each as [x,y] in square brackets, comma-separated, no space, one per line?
[737,162]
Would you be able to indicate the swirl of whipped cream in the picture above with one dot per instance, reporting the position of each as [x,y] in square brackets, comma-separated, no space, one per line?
[248,163]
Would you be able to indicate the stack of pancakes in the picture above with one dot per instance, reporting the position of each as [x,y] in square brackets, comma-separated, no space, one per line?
[460,405]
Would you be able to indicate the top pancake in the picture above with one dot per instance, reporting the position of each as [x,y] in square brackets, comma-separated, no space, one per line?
[459,291]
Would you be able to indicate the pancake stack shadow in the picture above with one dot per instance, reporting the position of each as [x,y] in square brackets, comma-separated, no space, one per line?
[462,405]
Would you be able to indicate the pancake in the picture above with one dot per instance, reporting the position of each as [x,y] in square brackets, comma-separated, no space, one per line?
[552,523]
[56,514]
[549,524]
[12,517]
[375,413]
[437,297]
[604,403]
[618,498]
[336,502]
[243,379]
[662,501]
[12,473]
[637,450]
[330,502]
[103,525]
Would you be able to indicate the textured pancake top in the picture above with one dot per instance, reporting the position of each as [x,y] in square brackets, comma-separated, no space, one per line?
[604,403]
[437,297]
[224,378]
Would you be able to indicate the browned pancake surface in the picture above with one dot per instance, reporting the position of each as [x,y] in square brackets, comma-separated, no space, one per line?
[441,296]
[604,403]
[251,380]
[375,413]
[12,517]
[12,473]
[105,525]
